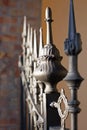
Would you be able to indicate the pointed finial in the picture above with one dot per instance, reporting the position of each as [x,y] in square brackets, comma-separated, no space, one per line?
[31,40]
[35,44]
[24,27]
[28,35]
[41,43]
[72,26]
[73,44]
[28,41]
[48,17]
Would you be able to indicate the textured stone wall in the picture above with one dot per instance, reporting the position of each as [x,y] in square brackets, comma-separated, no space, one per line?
[11,19]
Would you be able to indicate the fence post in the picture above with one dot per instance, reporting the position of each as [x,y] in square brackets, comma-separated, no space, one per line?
[72,48]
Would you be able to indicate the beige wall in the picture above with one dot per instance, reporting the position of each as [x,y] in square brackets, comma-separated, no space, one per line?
[60,9]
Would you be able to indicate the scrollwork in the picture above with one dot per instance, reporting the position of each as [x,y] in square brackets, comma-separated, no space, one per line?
[63,115]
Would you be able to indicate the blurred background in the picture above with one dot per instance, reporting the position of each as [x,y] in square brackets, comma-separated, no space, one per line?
[12,13]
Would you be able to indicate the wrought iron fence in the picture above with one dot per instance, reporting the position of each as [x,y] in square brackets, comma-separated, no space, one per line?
[41,69]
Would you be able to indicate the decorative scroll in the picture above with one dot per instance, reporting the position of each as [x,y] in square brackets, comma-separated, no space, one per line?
[63,115]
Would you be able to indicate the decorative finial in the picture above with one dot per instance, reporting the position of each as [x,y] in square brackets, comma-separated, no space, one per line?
[48,14]
[28,40]
[49,69]
[35,44]
[28,35]
[31,40]
[72,25]
[24,27]
[48,19]
[72,45]
[41,43]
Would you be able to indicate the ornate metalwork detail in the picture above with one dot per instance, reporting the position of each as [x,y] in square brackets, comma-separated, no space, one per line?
[27,64]
[34,110]
[73,44]
[63,115]
[49,69]
[73,78]
[39,71]
[42,70]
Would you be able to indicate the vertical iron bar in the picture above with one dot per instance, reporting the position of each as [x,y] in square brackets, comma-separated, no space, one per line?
[45,111]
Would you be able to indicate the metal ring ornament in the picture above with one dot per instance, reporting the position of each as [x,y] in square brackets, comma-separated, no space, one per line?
[65,113]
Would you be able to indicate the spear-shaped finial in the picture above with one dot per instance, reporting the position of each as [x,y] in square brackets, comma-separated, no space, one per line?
[41,43]
[72,45]
[48,17]
[28,40]
[35,44]
[72,26]
[24,27]
[24,33]
[28,35]
[31,40]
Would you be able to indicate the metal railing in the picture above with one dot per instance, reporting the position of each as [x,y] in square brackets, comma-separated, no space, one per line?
[41,70]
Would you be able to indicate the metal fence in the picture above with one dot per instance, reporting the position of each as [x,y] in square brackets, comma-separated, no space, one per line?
[41,69]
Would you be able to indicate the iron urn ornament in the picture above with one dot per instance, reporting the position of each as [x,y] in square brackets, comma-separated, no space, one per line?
[49,70]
